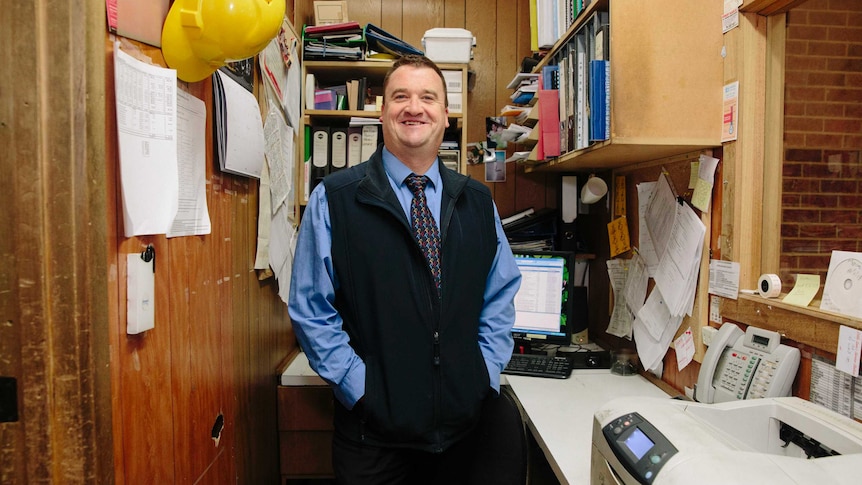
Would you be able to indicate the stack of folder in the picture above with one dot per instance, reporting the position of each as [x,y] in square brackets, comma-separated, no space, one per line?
[332,148]
[342,41]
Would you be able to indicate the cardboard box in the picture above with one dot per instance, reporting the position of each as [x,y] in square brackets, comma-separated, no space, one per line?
[448,45]
[453,81]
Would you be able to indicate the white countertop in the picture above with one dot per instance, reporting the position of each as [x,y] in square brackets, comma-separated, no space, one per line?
[559,412]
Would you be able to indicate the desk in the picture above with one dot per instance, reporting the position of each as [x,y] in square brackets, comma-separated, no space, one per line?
[559,412]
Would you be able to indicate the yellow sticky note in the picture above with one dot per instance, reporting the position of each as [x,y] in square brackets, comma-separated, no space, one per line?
[702,194]
[806,287]
[618,235]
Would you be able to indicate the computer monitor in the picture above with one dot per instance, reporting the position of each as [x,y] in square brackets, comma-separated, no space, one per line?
[544,303]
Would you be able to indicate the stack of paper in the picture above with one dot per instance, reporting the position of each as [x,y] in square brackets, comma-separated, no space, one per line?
[239,128]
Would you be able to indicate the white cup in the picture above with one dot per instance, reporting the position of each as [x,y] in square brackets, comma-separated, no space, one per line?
[593,190]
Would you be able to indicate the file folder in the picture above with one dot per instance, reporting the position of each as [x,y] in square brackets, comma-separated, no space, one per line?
[354,146]
[338,149]
[319,155]
[379,40]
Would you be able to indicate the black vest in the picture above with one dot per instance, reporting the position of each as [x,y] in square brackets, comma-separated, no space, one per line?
[425,374]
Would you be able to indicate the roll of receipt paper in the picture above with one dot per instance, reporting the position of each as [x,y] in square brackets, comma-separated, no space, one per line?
[769,285]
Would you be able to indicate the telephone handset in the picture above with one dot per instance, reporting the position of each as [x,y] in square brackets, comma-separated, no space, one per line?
[746,365]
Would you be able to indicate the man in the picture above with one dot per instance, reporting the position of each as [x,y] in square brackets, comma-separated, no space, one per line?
[411,333]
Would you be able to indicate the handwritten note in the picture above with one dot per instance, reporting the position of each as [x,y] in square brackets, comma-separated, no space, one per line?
[806,287]
[684,346]
[849,350]
[618,234]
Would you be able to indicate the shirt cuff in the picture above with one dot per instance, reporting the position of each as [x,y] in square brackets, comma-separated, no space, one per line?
[352,387]
[493,377]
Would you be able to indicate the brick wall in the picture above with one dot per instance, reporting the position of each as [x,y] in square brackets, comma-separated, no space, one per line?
[822,176]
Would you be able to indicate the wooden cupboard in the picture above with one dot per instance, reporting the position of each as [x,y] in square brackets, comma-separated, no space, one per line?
[666,70]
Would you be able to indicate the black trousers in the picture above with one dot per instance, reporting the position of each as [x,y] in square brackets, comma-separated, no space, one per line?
[363,464]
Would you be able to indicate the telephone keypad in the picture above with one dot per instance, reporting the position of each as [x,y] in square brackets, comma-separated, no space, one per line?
[736,370]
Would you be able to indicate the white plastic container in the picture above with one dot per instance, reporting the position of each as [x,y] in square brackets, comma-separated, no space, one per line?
[448,45]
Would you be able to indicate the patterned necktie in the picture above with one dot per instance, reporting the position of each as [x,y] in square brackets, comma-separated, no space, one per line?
[424,228]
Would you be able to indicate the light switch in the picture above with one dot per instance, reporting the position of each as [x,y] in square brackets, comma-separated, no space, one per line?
[140,294]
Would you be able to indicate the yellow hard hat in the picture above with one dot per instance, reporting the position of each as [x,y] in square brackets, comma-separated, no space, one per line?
[200,36]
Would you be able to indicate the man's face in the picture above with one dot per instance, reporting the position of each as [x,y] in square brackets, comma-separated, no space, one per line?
[414,113]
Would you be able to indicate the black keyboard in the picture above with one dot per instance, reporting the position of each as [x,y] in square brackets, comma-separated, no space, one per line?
[539,365]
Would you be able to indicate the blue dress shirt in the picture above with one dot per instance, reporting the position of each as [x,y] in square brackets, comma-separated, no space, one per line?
[317,324]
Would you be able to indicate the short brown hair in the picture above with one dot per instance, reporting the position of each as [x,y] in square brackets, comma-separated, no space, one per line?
[414,60]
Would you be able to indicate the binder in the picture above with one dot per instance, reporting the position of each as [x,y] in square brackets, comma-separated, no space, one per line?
[320,31]
[338,149]
[319,155]
[306,162]
[354,146]
[549,116]
[379,40]
[582,134]
[310,88]
[370,134]
[352,94]
[344,41]
[599,100]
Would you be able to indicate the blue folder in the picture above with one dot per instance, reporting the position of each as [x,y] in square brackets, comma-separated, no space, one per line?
[379,40]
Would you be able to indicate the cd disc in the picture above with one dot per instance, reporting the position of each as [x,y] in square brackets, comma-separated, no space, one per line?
[842,292]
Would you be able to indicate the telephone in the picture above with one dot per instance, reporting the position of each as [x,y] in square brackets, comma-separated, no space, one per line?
[746,365]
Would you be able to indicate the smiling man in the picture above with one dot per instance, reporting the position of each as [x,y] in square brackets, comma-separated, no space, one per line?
[402,297]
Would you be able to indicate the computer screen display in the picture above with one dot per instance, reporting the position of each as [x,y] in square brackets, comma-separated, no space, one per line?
[543,305]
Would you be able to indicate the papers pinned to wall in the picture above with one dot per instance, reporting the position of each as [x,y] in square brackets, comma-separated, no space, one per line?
[147,135]
[238,126]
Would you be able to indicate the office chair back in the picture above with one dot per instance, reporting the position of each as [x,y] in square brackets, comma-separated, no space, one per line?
[502,443]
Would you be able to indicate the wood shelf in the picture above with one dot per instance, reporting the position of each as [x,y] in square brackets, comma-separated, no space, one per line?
[809,325]
[332,73]
[341,113]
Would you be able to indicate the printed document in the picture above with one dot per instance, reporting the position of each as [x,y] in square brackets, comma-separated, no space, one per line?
[147,131]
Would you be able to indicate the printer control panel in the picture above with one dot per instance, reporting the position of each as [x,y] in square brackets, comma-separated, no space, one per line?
[639,446]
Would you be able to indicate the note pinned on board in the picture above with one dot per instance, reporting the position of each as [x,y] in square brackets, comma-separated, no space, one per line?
[849,350]
[618,234]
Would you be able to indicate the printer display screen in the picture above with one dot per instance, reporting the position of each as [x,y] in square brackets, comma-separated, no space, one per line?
[638,443]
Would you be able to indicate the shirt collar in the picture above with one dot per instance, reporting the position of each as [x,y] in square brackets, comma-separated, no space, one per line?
[397,171]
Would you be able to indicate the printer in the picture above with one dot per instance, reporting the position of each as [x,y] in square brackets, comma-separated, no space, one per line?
[775,440]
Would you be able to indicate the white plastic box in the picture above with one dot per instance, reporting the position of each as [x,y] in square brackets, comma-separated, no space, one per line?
[448,45]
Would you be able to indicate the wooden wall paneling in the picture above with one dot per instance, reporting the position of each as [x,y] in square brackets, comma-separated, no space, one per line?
[481,20]
[143,408]
[53,332]
[113,221]
[418,17]
[773,150]
[370,11]
[18,136]
[743,167]
[391,18]
[23,324]
[454,13]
